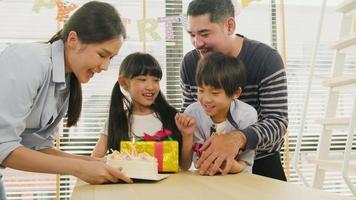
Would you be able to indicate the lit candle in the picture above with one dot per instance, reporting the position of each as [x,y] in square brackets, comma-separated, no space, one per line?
[133,139]
[133,147]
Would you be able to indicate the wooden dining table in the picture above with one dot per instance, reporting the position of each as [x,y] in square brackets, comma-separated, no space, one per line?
[192,186]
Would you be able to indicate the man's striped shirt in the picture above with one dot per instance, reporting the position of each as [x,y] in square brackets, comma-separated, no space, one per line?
[265,90]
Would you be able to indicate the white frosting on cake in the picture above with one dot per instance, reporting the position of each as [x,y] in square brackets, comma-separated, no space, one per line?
[139,166]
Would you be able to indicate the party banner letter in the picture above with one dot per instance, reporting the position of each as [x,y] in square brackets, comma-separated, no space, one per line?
[148,26]
[42,3]
[169,25]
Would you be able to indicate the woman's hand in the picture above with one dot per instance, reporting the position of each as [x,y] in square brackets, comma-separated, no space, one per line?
[90,158]
[97,172]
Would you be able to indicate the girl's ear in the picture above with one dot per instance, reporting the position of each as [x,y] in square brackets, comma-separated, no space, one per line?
[237,93]
[123,82]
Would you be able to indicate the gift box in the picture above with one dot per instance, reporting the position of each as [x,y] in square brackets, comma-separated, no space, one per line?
[166,152]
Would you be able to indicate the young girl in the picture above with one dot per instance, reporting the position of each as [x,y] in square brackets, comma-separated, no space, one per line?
[220,79]
[144,111]
[41,82]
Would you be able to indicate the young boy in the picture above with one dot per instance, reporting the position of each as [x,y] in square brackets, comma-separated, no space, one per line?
[220,79]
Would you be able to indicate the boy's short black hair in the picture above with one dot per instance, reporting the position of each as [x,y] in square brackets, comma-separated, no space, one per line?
[218,70]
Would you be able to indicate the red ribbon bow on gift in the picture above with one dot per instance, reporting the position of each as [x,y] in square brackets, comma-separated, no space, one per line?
[159,136]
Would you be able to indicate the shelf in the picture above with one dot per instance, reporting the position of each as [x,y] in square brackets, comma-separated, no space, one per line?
[345,83]
[346,6]
[344,43]
[344,80]
[334,165]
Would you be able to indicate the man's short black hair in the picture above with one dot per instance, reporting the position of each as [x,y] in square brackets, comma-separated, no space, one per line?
[218,9]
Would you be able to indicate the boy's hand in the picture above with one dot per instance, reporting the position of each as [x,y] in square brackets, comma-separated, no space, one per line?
[218,149]
[185,124]
[236,167]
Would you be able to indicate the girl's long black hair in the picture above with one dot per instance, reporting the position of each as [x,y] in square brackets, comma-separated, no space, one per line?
[94,22]
[120,113]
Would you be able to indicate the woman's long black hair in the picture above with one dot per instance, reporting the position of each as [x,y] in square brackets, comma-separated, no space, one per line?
[120,114]
[94,22]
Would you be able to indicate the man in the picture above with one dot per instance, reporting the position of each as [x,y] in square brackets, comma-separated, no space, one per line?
[211,26]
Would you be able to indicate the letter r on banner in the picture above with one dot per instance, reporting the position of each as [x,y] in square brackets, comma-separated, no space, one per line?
[148,26]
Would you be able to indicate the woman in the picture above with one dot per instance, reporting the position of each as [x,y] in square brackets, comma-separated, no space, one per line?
[40,82]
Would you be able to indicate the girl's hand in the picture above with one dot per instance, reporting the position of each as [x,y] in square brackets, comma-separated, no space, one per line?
[96,172]
[185,124]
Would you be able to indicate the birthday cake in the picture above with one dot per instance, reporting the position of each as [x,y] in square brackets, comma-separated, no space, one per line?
[137,166]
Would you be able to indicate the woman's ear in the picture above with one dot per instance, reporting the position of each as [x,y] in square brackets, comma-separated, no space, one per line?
[72,40]
[123,82]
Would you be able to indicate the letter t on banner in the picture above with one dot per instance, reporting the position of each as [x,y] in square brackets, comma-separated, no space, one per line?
[169,25]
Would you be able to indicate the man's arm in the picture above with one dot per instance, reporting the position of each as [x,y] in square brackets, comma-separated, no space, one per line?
[187,95]
[187,79]
[267,134]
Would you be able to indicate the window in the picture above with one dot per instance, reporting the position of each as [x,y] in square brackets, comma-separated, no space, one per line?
[96,94]
[260,20]
[301,21]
